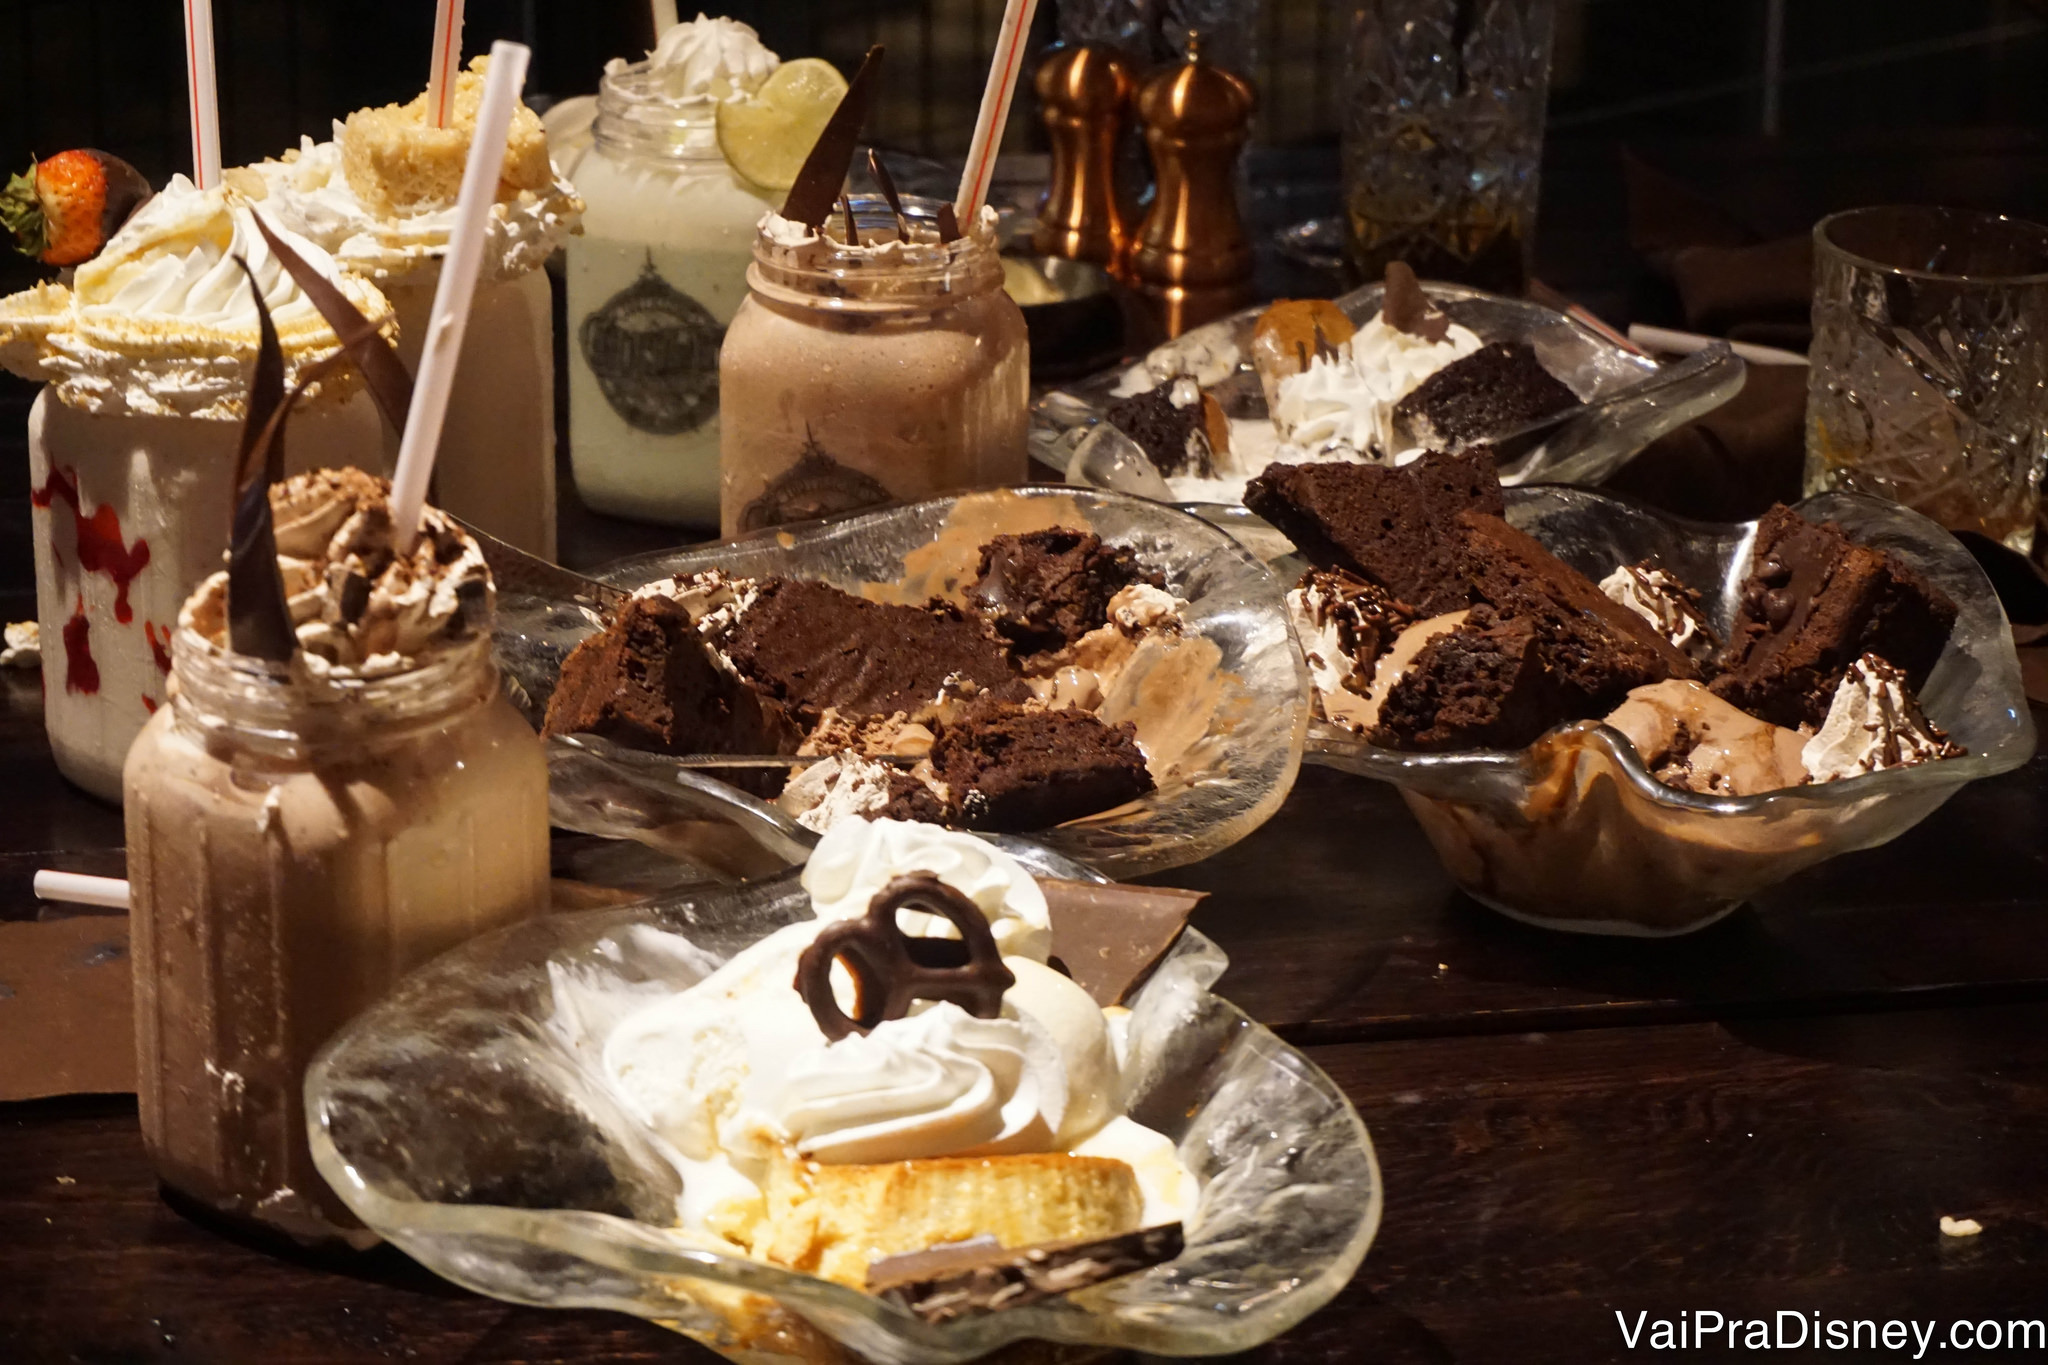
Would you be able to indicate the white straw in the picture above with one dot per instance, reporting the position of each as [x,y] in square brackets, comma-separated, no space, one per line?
[995,110]
[664,16]
[203,92]
[1685,343]
[78,889]
[450,318]
[447,60]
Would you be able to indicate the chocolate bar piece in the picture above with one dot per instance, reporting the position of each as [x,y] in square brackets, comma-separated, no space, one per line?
[948,1282]
[1110,936]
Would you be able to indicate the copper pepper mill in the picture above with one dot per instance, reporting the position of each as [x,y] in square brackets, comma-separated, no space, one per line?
[1084,95]
[1191,261]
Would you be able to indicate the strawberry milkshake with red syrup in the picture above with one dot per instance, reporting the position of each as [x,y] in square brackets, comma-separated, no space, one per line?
[145,354]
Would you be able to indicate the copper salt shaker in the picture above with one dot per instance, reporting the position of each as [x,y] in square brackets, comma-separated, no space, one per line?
[1084,96]
[1191,260]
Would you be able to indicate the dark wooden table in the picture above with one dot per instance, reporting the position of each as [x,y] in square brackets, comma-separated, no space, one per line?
[1770,1116]
[1773,1114]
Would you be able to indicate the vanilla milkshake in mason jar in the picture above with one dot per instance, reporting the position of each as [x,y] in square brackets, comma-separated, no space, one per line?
[870,371]
[381,198]
[132,445]
[658,273]
[301,834]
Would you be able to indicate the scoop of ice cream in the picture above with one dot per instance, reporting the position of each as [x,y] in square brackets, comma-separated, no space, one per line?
[1690,738]
[163,320]
[734,1072]
[1666,604]
[1873,723]
[358,606]
[711,59]
[855,860]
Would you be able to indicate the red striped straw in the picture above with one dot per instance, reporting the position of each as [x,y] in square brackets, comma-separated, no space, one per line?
[447,61]
[1003,70]
[449,319]
[204,93]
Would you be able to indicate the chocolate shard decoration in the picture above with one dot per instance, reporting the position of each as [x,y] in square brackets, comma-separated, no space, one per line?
[852,229]
[376,359]
[949,1282]
[887,182]
[259,619]
[818,183]
[1110,936]
[1407,309]
[949,224]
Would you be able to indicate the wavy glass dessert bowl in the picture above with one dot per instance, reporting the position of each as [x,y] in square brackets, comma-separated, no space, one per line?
[1234,731]
[467,1121]
[1574,833]
[1627,400]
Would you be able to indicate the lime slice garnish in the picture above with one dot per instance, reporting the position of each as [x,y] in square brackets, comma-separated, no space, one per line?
[766,136]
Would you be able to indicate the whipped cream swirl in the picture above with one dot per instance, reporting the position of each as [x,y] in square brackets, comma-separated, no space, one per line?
[1873,723]
[162,322]
[1344,404]
[710,59]
[734,1074]
[310,194]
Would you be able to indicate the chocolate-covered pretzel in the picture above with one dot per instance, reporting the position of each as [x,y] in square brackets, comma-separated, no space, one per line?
[891,969]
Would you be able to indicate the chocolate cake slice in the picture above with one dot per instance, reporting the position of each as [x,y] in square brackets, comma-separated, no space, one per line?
[1008,768]
[1814,603]
[1496,390]
[1043,590]
[1512,571]
[647,681]
[810,646]
[1396,527]
[1170,424]
[1543,646]
[1485,685]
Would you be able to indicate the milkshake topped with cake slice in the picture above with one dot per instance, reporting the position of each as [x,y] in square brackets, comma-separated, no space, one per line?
[132,443]
[380,197]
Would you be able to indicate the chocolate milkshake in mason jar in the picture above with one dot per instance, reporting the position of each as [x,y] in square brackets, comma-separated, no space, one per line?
[301,834]
[872,368]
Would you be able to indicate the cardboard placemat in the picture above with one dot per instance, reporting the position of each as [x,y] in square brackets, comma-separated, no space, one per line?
[66,1012]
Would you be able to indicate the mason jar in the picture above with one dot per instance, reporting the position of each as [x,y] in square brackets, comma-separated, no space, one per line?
[668,229]
[295,846]
[868,373]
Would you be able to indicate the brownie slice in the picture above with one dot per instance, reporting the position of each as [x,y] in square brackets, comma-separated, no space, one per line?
[1512,571]
[1543,646]
[1485,685]
[1174,436]
[811,646]
[1397,527]
[647,681]
[1012,769]
[1495,391]
[910,799]
[1814,603]
[1043,590]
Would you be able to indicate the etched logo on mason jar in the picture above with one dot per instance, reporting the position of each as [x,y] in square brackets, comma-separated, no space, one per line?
[654,353]
[815,486]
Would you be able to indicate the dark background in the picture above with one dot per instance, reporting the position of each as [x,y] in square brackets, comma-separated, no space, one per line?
[1778,111]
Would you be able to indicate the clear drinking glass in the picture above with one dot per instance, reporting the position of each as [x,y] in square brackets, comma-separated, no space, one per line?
[1443,136]
[1929,383]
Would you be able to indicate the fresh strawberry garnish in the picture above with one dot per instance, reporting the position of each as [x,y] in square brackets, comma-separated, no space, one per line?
[64,209]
